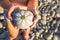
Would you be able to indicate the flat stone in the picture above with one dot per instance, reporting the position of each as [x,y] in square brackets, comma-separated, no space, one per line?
[49,0]
[55,37]
[37,34]
[56,30]
[58,15]
[54,22]
[43,22]
[1,17]
[50,37]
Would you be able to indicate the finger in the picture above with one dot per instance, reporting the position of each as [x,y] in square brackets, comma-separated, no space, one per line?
[11,10]
[33,25]
[26,33]
[16,27]
[34,22]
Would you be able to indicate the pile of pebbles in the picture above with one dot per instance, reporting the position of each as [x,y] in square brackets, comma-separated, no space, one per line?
[3,31]
[48,27]
[50,19]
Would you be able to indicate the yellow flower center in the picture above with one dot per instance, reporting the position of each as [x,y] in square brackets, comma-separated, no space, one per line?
[23,17]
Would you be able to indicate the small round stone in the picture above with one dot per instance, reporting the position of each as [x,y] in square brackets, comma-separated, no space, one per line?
[54,21]
[43,22]
[1,9]
[58,15]
[1,17]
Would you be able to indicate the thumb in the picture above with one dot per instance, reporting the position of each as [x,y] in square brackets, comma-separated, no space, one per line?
[10,17]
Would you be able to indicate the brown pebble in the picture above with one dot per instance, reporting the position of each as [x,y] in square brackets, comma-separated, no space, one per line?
[1,17]
[1,25]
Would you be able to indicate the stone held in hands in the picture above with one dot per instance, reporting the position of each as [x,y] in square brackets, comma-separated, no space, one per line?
[22,18]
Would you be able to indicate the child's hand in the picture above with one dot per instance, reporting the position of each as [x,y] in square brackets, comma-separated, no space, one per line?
[12,30]
[36,18]
[10,11]
[32,6]
[13,7]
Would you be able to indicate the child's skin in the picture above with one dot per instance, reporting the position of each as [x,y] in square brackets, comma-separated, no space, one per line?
[10,5]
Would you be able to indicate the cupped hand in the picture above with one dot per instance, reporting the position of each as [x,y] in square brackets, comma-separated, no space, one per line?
[12,30]
[36,17]
[34,11]
[10,11]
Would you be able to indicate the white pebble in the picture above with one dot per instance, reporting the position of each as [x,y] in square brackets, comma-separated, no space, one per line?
[55,38]
[43,22]
[58,15]
[54,21]
[1,9]
[49,0]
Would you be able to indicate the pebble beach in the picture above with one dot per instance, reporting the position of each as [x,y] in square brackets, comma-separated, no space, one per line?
[48,26]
